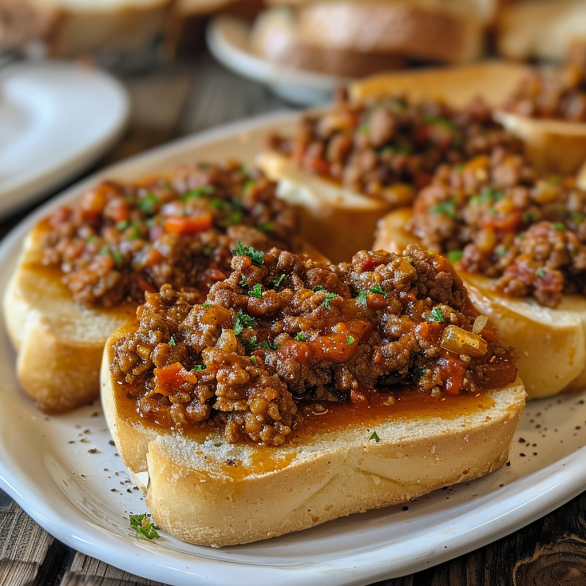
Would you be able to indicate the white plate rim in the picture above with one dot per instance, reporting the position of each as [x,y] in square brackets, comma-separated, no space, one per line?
[548,488]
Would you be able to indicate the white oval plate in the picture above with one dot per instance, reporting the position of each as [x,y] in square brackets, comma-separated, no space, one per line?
[66,475]
[228,39]
[55,119]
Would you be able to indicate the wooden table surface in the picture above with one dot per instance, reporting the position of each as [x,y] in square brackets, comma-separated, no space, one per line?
[179,99]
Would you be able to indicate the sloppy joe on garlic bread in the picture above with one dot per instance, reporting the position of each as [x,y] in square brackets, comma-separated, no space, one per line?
[271,406]
[85,269]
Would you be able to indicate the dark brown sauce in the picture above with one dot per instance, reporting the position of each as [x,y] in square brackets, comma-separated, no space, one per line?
[408,405]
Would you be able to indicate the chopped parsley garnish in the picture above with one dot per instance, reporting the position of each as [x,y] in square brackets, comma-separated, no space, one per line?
[445,208]
[436,315]
[375,437]
[454,256]
[578,218]
[253,360]
[200,367]
[280,280]
[256,291]
[439,120]
[350,339]
[122,225]
[198,192]
[143,526]
[147,203]
[529,217]
[301,337]
[376,288]
[361,298]
[243,283]
[242,321]
[248,184]
[117,256]
[268,227]
[268,346]
[540,272]
[559,226]
[249,343]
[410,260]
[240,250]
[105,249]
[326,302]
[208,249]
[318,288]
[172,342]
[500,250]
[92,239]
[220,204]
[205,305]
[486,196]
[420,371]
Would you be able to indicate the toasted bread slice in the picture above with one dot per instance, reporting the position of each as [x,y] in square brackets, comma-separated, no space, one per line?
[205,491]
[59,343]
[552,342]
[335,220]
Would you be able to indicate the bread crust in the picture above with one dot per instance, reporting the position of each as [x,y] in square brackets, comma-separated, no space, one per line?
[335,220]
[59,343]
[216,494]
[552,342]
[68,32]
[394,27]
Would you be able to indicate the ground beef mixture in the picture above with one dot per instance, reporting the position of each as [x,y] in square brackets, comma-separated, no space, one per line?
[389,148]
[283,333]
[123,240]
[494,216]
[556,93]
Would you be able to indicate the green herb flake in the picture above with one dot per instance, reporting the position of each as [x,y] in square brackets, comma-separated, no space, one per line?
[540,272]
[242,321]
[248,184]
[445,208]
[198,192]
[268,227]
[454,256]
[268,346]
[350,339]
[144,527]
[578,218]
[376,288]
[529,217]
[280,280]
[92,239]
[300,337]
[243,283]
[410,261]
[147,204]
[420,371]
[375,437]
[105,249]
[555,179]
[172,342]
[117,256]
[206,305]
[253,360]
[361,298]
[209,249]
[500,250]
[200,367]
[256,291]
[249,343]
[326,302]
[318,288]
[121,226]
[240,250]
[559,226]
[436,315]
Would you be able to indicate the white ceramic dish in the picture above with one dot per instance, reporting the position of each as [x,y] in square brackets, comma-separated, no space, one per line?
[84,499]
[228,40]
[55,119]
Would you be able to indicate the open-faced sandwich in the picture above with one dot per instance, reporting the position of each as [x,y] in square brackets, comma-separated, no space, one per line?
[347,165]
[85,269]
[300,391]
[519,243]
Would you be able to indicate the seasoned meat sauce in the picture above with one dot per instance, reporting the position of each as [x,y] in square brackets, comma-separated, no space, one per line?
[123,240]
[494,216]
[389,148]
[558,93]
[283,337]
